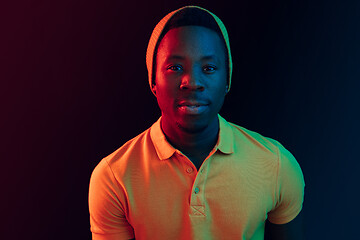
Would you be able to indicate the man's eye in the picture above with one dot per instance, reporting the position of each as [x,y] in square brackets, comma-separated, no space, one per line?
[175,68]
[209,69]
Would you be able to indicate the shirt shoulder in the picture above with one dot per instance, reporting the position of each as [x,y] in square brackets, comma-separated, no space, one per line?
[254,142]
[284,157]
[129,152]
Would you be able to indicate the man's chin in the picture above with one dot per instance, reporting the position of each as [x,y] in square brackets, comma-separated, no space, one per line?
[192,128]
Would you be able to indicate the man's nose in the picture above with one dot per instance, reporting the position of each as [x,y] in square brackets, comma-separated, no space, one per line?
[192,81]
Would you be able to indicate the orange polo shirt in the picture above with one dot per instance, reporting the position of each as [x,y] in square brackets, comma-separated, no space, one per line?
[147,189]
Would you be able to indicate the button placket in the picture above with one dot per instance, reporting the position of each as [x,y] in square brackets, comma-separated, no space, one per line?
[197,198]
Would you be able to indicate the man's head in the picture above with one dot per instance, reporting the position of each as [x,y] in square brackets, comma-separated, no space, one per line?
[186,16]
[191,70]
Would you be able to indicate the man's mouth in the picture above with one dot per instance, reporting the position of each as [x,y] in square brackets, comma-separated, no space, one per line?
[192,108]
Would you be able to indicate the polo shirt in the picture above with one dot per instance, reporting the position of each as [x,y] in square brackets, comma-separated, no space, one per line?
[147,189]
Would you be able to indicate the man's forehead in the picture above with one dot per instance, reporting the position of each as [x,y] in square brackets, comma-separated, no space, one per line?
[192,37]
[178,57]
[193,31]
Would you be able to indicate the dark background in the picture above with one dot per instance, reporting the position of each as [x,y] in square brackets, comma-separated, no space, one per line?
[74,88]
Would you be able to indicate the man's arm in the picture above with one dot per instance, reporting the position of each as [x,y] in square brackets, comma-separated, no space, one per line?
[293,230]
[107,217]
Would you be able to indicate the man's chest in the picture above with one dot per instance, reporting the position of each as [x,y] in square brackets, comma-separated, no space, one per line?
[238,195]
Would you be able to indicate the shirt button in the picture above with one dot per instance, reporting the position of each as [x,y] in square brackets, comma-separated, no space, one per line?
[189,170]
[197,190]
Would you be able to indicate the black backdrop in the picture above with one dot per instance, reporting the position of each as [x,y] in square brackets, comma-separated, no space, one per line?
[74,88]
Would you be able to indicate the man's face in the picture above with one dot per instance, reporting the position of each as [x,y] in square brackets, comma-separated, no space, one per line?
[191,78]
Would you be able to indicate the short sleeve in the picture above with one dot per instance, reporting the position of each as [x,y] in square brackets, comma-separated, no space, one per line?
[290,189]
[107,217]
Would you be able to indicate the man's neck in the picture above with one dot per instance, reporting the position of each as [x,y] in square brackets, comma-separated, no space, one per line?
[193,144]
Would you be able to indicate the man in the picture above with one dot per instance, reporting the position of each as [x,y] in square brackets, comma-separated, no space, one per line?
[193,175]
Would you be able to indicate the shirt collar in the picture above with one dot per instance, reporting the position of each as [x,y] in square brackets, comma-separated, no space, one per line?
[165,150]
[226,137]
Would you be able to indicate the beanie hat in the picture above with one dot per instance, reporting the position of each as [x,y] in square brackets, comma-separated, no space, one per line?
[163,27]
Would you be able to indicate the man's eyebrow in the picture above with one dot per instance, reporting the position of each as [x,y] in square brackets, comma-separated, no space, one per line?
[209,57]
[175,57]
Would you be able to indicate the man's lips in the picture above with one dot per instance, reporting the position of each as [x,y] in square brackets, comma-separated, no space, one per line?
[193,107]
[192,103]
